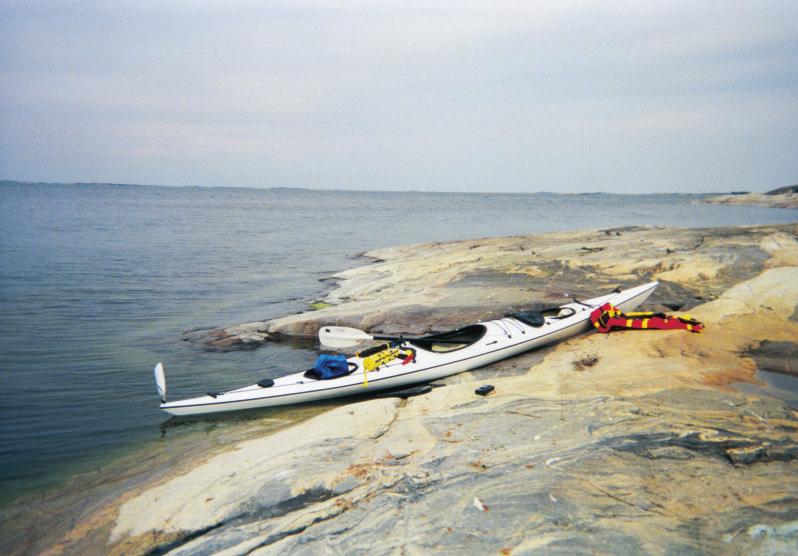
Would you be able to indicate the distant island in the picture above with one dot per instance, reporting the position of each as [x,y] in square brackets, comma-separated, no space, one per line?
[782,197]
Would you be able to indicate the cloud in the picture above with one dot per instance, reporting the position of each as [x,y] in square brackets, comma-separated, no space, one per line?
[450,95]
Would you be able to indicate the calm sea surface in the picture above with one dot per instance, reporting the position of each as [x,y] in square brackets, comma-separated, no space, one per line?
[97,283]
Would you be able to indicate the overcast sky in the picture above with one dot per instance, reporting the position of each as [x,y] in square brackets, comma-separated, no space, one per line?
[628,97]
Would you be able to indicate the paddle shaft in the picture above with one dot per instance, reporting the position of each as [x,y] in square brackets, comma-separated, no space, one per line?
[421,339]
[342,336]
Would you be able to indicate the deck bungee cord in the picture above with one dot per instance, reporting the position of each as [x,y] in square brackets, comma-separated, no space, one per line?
[383,356]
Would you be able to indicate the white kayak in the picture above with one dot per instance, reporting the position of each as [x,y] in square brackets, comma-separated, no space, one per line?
[436,356]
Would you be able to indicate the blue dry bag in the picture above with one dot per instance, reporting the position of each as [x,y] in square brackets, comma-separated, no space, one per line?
[330,366]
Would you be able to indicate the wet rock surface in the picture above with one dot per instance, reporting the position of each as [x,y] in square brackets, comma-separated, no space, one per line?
[626,443]
[776,357]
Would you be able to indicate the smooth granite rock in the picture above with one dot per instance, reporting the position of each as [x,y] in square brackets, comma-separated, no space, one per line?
[647,450]
[626,443]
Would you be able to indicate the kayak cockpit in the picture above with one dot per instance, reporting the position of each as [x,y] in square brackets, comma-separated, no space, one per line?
[537,317]
[451,340]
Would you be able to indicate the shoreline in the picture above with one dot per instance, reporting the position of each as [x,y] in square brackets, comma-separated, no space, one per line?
[387,449]
[431,287]
[87,492]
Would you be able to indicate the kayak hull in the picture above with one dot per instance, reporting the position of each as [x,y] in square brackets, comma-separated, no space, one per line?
[502,338]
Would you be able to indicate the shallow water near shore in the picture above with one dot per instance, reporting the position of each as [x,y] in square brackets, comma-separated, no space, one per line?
[97,283]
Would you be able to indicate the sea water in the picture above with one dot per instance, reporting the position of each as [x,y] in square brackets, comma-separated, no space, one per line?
[99,282]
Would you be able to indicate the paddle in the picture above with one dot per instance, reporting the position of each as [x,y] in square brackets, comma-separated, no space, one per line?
[343,336]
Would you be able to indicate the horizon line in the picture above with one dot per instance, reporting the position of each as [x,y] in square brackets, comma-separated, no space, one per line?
[343,189]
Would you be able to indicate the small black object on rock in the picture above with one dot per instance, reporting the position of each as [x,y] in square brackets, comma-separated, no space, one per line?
[484,390]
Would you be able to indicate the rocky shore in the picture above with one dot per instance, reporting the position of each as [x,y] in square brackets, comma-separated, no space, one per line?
[784,197]
[632,442]
[436,286]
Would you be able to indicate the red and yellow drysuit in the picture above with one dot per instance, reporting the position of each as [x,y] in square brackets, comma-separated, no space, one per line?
[607,318]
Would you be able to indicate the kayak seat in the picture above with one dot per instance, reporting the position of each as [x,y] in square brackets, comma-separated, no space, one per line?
[452,340]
